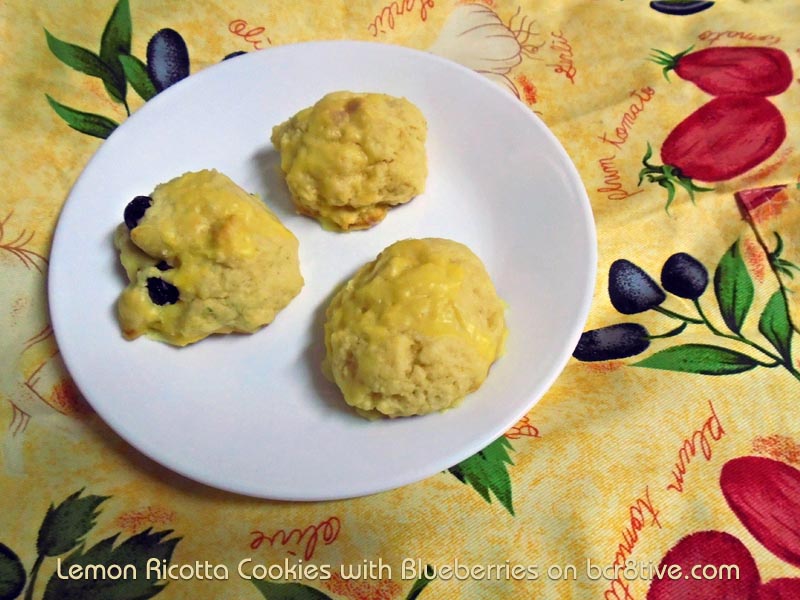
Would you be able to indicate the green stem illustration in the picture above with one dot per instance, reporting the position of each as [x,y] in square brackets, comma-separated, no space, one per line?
[674,315]
[778,361]
[672,333]
[34,573]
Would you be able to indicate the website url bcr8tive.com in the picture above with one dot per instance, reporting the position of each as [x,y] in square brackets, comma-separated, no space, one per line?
[632,570]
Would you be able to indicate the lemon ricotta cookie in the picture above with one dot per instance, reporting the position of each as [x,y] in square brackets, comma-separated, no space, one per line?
[352,156]
[415,330]
[203,256]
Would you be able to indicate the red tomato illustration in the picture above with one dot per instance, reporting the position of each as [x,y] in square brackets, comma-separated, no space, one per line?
[779,589]
[723,138]
[723,70]
[710,549]
[765,495]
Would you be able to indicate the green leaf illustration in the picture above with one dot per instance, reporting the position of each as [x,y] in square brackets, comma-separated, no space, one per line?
[12,574]
[136,74]
[88,123]
[781,265]
[734,288]
[116,40]
[774,325]
[699,358]
[420,584]
[85,61]
[133,553]
[287,591]
[65,525]
[486,471]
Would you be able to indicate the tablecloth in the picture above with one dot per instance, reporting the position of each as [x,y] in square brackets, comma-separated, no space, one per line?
[662,464]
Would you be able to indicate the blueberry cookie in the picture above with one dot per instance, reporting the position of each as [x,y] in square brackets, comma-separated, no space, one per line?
[203,256]
[352,156]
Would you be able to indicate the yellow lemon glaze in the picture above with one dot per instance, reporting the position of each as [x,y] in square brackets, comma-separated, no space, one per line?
[234,264]
[415,330]
[352,156]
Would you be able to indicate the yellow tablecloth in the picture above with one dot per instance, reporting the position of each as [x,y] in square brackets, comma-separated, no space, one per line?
[656,467]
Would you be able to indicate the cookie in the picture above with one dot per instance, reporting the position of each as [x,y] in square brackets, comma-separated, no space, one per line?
[352,156]
[415,330]
[203,257]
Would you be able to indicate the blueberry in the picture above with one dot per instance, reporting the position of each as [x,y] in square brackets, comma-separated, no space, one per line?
[612,342]
[162,292]
[631,290]
[684,276]
[136,209]
[162,265]
[234,54]
[167,59]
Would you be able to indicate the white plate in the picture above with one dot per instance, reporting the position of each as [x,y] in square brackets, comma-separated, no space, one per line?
[253,414]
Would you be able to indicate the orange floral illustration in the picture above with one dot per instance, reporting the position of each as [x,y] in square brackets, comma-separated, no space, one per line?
[133,521]
[779,447]
[754,257]
[67,399]
[529,91]
[523,428]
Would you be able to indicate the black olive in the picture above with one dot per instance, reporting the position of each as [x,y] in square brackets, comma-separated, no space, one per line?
[234,54]
[684,276]
[681,7]
[162,292]
[631,290]
[162,265]
[612,342]
[136,209]
[167,59]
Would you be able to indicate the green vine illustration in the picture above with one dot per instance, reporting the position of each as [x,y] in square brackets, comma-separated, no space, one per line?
[632,291]
[63,530]
[116,67]
[777,262]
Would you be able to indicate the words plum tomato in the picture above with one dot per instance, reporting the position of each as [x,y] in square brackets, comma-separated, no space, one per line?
[724,70]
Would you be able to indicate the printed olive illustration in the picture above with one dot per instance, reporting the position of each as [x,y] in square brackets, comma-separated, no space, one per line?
[631,290]
[167,59]
[162,292]
[680,7]
[612,342]
[135,210]
[234,54]
[684,276]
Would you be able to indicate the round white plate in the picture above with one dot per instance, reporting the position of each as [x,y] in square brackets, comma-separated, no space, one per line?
[253,413]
